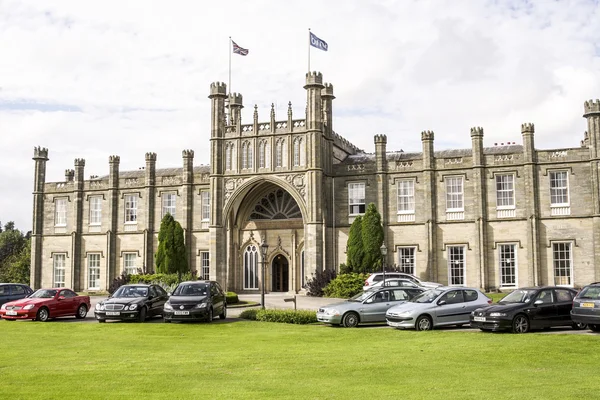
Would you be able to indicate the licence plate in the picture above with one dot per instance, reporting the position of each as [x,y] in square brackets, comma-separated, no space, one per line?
[182,313]
[393,323]
[11,313]
[113,313]
[587,305]
[479,319]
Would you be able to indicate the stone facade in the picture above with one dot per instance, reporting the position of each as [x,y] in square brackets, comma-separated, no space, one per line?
[490,217]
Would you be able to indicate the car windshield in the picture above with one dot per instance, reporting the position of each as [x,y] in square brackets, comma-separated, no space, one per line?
[191,289]
[131,291]
[43,294]
[590,292]
[518,296]
[427,297]
[361,296]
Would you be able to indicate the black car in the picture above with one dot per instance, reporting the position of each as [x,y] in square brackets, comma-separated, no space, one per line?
[526,309]
[196,300]
[586,307]
[13,291]
[135,302]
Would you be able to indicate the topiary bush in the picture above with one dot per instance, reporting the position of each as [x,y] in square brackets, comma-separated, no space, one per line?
[299,317]
[249,314]
[316,284]
[345,286]
[232,298]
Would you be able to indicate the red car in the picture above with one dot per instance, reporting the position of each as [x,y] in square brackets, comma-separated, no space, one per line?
[44,304]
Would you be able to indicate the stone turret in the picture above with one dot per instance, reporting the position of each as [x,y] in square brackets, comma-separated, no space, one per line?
[314,86]
[592,114]
[527,131]
[236,103]
[327,97]
[40,156]
[380,152]
[427,140]
[218,95]
[477,146]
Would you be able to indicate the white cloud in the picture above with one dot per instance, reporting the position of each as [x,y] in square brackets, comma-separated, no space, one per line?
[135,75]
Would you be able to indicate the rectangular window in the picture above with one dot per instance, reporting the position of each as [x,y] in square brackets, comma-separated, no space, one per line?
[406,196]
[168,204]
[279,154]
[456,265]
[205,205]
[130,208]
[130,263]
[60,214]
[454,193]
[356,198]
[95,210]
[94,271]
[59,269]
[562,257]
[505,191]
[406,259]
[507,255]
[261,154]
[559,188]
[205,265]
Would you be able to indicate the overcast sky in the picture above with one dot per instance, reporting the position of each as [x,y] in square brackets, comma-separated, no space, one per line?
[92,79]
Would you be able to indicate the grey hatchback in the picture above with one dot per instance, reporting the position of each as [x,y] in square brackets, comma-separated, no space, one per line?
[586,307]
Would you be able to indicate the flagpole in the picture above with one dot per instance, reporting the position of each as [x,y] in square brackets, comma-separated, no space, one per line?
[308,49]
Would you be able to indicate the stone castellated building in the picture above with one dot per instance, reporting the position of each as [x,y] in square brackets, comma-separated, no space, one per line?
[495,218]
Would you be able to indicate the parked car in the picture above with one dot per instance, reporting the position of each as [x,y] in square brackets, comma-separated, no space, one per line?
[395,282]
[13,291]
[528,308]
[441,306]
[378,277]
[586,307]
[365,307]
[135,302]
[196,300]
[44,304]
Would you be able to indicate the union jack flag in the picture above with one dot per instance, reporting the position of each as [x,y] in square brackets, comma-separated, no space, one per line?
[239,50]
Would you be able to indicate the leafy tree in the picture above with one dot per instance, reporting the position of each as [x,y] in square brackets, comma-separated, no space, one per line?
[171,255]
[355,252]
[15,255]
[372,236]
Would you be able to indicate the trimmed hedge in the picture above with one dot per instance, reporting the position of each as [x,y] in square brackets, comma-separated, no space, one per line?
[345,286]
[298,317]
[232,298]
[249,314]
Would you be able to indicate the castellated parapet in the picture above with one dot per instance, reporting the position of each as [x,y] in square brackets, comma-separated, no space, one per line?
[114,159]
[314,78]
[69,175]
[79,163]
[427,135]
[327,91]
[40,153]
[150,156]
[218,89]
[380,139]
[187,153]
[476,131]
[591,107]
[236,99]
[527,127]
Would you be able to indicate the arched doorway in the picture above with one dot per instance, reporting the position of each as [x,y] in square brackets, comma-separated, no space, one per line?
[280,273]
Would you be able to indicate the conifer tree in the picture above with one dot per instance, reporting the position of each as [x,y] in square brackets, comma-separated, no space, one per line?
[355,252]
[372,236]
[171,254]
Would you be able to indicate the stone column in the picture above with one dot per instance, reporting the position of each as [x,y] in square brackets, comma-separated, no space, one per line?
[150,206]
[480,209]
[187,200]
[112,268]
[77,261]
[40,156]
[430,204]
[532,203]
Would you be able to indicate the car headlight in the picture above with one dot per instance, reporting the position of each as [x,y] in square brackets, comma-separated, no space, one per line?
[498,314]
[28,307]
[331,311]
[3,307]
[99,306]
[201,305]
[132,307]
[168,306]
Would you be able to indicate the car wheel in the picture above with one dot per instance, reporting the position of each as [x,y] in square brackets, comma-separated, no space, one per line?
[350,320]
[81,312]
[594,327]
[166,321]
[424,323]
[142,316]
[520,324]
[43,314]
[223,315]
[578,326]
[209,318]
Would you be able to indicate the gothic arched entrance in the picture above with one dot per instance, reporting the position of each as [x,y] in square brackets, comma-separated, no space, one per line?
[281,273]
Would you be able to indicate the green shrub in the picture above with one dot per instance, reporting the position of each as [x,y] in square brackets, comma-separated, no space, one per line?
[299,317]
[249,314]
[232,298]
[345,286]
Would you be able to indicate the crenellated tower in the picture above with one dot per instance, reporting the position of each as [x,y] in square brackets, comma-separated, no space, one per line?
[150,204]
[480,203]
[532,202]
[112,269]
[40,156]
[187,196]
[78,279]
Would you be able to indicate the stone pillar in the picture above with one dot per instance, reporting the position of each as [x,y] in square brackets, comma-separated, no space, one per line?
[382,186]
[187,200]
[430,204]
[40,156]
[112,267]
[532,204]
[327,98]
[77,261]
[592,114]
[150,206]
[480,209]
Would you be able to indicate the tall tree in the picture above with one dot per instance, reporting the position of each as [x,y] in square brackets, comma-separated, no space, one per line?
[355,252]
[15,255]
[171,254]
[181,265]
[372,235]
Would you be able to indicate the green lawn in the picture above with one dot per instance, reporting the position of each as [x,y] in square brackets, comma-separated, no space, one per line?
[254,360]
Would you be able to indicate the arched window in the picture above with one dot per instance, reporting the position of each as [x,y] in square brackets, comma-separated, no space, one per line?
[244,155]
[250,157]
[279,153]
[227,157]
[297,143]
[262,147]
[251,267]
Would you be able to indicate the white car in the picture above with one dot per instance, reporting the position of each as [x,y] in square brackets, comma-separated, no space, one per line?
[393,282]
[378,277]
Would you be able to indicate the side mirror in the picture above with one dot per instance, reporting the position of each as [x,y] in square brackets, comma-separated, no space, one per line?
[169,294]
[61,297]
[369,300]
[538,302]
[441,302]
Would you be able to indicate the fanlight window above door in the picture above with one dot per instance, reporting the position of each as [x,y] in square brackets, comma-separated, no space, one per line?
[276,205]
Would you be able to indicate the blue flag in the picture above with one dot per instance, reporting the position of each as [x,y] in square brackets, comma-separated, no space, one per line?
[318,43]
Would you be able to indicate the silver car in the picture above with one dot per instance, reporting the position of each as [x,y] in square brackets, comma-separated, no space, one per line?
[395,282]
[441,306]
[365,307]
